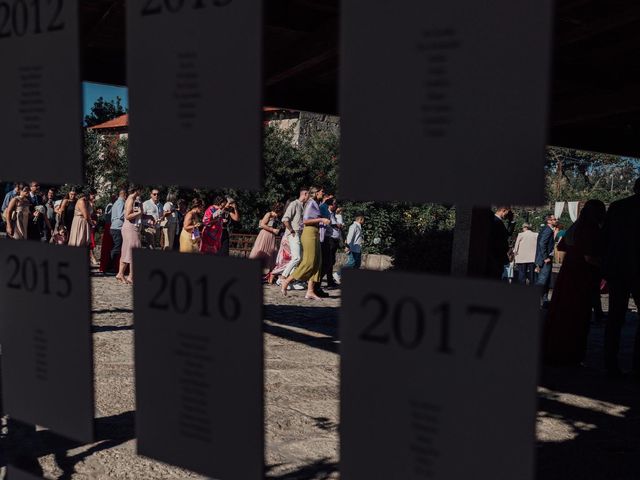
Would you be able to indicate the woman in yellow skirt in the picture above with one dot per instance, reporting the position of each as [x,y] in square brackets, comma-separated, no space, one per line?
[310,266]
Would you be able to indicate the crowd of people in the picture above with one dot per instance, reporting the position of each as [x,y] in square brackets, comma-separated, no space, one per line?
[313,231]
[29,214]
[599,253]
[297,242]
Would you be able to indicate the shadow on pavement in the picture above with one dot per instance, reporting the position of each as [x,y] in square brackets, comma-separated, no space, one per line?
[24,451]
[592,422]
[111,310]
[110,328]
[316,320]
[321,470]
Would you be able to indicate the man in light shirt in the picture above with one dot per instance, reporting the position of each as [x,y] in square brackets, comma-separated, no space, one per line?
[292,220]
[152,233]
[524,251]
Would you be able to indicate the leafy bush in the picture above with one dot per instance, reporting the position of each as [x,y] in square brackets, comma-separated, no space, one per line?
[418,237]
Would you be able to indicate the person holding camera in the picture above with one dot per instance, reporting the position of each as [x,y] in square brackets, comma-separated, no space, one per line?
[213,227]
[230,214]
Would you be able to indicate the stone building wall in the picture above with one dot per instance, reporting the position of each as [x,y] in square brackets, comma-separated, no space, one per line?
[311,123]
[305,124]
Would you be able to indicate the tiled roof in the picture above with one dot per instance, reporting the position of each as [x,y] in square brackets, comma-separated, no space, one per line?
[123,120]
[119,122]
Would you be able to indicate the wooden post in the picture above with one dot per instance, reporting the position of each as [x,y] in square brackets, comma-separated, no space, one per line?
[471,241]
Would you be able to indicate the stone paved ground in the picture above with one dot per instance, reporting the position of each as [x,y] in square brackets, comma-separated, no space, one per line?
[588,426]
[301,385]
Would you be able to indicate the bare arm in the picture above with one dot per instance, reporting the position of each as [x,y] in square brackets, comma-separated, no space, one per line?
[235,214]
[264,224]
[287,225]
[129,214]
[317,221]
[62,206]
[84,209]
[188,222]
[7,213]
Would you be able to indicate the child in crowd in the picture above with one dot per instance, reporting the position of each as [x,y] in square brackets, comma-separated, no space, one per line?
[354,242]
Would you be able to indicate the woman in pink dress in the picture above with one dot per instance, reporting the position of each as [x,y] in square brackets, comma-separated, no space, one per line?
[130,234]
[265,247]
[283,258]
[92,231]
[212,227]
[18,215]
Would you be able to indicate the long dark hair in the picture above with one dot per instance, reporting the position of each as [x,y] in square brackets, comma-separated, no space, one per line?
[593,212]
[278,208]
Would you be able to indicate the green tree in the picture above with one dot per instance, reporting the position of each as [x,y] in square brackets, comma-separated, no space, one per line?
[103,111]
[286,169]
[319,156]
[105,163]
[580,175]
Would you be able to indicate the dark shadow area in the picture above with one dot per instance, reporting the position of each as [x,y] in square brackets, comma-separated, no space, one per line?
[320,320]
[321,343]
[594,421]
[324,423]
[109,432]
[110,328]
[423,251]
[111,310]
[320,470]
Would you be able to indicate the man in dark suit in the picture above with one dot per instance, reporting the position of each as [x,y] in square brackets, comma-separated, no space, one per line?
[544,256]
[36,227]
[622,271]
[499,234]
[35,198]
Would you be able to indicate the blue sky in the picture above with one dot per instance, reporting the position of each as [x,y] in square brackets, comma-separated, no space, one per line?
[92,91]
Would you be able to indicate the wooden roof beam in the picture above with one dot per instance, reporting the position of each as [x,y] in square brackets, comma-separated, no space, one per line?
[318,60]
[579,109]
[627,17]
